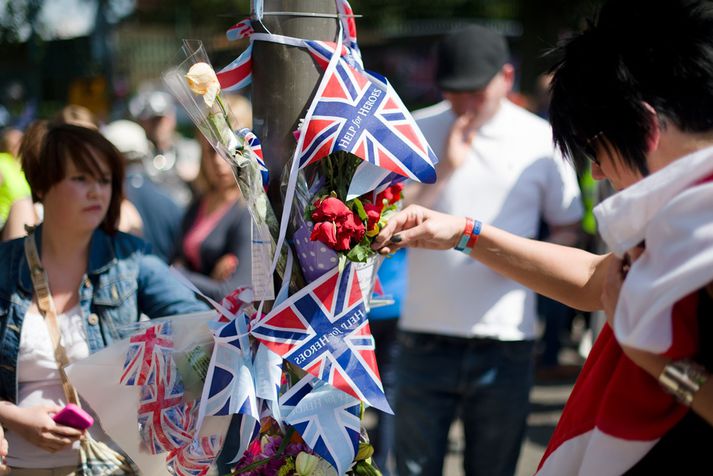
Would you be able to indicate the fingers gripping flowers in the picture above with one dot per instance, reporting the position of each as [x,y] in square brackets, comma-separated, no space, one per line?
[349,226]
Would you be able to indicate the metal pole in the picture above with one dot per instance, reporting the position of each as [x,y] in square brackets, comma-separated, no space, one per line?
[284,80]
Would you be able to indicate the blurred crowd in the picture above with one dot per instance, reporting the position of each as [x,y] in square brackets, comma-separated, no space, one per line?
[179,196]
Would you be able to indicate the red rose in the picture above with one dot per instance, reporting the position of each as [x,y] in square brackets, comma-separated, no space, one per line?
[352,225]
[392,194]
[325,232]
[329,209]
[373,213]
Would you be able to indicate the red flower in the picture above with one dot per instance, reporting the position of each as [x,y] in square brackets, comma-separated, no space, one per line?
[373,213]
[352,226]
[329,209]
[325,232]
[392,194]
[335,224]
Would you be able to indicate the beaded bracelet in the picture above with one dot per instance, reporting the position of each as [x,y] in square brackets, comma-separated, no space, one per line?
[470,235]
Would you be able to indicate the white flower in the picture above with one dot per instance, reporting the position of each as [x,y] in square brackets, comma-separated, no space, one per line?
[310,465]
[203,81]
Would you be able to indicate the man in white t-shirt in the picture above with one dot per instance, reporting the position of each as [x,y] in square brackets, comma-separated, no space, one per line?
[467,333]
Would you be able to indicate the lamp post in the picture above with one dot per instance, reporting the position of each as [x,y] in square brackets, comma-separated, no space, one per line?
[285,79]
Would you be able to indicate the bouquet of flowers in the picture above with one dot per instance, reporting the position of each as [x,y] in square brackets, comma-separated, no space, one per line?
[286,454]
[348,226]
[195,84]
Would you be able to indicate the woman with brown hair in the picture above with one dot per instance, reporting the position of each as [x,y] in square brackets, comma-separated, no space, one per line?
[99,280]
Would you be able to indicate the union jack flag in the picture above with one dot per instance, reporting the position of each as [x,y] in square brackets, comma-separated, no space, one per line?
[142,350]
[328,421]
[295,394]
[238,74]
[229,386]
[242,29]
[195,458]
[360,112]
[162,413]
[268,378]
[248,136]
[349,31]
[324,330]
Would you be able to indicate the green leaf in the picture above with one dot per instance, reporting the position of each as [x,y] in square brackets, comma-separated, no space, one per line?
[360,253]
[360,209]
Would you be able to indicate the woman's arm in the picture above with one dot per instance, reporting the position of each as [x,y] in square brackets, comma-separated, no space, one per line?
[569,275]
[22,212]
[654,364]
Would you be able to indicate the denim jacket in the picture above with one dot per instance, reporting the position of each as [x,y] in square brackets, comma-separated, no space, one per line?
[122,281]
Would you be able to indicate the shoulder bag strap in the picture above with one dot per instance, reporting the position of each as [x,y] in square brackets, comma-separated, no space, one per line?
[48,310]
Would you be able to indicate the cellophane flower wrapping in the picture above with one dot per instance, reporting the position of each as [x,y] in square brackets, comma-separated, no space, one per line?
[193,82]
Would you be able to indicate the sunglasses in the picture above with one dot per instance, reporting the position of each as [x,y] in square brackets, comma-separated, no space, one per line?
[590,147]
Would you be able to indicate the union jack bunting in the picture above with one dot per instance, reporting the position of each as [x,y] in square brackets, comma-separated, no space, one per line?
[242,29]
[360,112]
[141,353]
[229,386]
[247,428]
[195,458]
[238,74]
[322,52]
[324,330]
[162,413]
[251,139]
[328,421]
[349,31]
[295,394]
[268,378]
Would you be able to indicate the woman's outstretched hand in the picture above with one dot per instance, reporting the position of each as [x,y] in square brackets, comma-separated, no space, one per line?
[419,227]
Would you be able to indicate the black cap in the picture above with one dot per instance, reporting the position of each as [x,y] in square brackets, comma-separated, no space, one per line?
[469,58]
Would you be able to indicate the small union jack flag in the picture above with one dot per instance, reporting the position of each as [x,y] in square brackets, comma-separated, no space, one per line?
[162,413]
[360,113]
[238,74]
[195,458]
[229,386]
[327,420]
[242,29]
[324,330]
[142,350]
[251,139]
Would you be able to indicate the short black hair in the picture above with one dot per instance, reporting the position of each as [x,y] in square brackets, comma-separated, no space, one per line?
[658,52]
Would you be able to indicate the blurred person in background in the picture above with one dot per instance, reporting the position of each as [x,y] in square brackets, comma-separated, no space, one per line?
[4,469]
[383,322]
[214,249]
[78,115]
[467,334]
[99,281]
[159,214]
[16,207]
[10,139]
[176,159]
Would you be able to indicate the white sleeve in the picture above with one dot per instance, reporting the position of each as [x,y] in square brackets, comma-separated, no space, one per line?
[562,201]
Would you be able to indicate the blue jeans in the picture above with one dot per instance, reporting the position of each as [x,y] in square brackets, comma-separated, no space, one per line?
[485,382]
[382,438]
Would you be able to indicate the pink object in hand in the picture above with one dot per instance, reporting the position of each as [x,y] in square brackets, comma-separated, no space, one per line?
[73,416]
